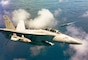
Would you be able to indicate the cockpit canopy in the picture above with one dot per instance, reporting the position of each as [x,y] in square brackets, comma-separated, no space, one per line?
[52,30]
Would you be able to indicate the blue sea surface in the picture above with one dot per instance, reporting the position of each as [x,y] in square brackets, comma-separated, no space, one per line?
[71,10]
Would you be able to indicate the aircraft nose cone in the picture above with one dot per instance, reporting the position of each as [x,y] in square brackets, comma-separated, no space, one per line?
[66,39]
[75,41]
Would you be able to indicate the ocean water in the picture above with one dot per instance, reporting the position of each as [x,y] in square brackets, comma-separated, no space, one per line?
[68,11]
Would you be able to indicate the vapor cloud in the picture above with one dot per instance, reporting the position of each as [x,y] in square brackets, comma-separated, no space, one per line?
[58,12]
[20,14]
[5,2]
[62,1]
[44,19]
[81,51]
[36,50]
[85,14]
[19,59]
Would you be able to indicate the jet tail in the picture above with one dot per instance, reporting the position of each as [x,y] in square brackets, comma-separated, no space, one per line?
[8,23]
[20,25]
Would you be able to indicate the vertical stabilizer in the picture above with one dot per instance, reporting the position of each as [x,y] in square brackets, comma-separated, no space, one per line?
[8,23]
[20,25]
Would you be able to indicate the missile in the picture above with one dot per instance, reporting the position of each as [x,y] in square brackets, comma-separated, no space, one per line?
[67,24]
[14,37]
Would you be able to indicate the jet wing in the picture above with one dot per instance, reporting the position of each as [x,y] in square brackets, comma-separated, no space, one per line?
[28,35]
[23,32]
[38,39]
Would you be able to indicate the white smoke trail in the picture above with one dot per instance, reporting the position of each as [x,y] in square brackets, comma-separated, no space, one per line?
[44,19]
[81,51]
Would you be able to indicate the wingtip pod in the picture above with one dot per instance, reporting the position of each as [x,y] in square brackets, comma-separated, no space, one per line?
[67,39]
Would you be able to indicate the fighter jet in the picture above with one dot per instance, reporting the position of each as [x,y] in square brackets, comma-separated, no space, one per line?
[46,37]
